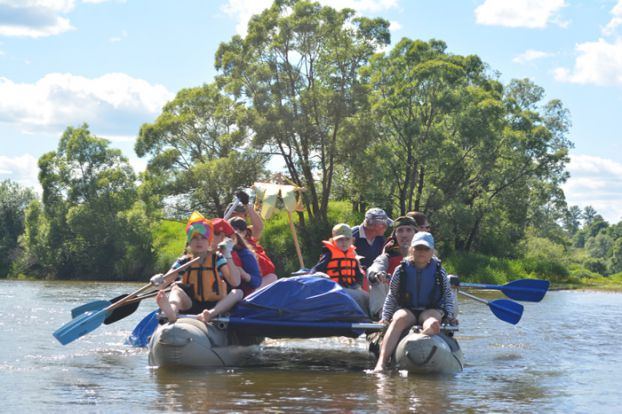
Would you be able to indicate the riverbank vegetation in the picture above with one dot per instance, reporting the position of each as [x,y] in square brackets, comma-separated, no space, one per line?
[410,128]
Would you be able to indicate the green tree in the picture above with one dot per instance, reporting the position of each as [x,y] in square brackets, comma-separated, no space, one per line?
[298,68]
[87,226]
[13,202]
[198,151]
[589,214]
[572,219]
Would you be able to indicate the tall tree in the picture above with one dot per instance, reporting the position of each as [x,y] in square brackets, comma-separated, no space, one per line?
[85,228]
[13,202]
[298,69]
[198,150]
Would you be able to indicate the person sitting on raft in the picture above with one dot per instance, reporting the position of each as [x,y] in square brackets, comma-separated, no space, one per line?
[339,261]
[396,249]
[209,285]
[244,258]
[369,237]
[419,293]
[266,266]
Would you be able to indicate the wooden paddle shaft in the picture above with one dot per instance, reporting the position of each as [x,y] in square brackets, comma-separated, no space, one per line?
[296,244]
[148,286]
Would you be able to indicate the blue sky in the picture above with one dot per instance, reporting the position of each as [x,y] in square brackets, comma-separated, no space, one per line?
[114,63]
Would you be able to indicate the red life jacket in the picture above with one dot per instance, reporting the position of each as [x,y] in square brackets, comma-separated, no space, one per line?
[342,266]
[266,266]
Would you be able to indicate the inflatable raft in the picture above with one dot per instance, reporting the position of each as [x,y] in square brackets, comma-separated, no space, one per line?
[190,343]
[438,354]
[298,307]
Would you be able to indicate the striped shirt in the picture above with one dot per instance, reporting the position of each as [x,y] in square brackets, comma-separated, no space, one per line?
[391,304]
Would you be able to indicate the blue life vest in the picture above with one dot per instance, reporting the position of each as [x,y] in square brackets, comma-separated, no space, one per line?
[421,289]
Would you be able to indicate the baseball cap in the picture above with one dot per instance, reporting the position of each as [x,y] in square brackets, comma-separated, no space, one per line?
[423,238]
[222,226]
[342,230]
[377,215]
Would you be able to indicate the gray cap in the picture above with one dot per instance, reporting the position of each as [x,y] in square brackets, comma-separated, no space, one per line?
[377,215]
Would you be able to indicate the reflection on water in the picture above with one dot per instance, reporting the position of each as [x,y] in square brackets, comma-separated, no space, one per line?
[561,358]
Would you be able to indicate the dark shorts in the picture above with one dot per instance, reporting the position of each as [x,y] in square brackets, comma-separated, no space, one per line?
[197,307]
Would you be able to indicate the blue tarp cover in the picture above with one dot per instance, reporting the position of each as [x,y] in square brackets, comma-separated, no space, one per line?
[300,307]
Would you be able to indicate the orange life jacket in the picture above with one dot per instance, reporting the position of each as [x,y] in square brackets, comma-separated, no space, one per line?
[342,266]
[207,284]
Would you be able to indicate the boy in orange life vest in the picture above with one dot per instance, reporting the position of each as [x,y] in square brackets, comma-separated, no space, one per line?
[339,262]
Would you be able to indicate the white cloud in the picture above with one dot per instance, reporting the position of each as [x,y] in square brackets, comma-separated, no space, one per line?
[530,55]
[395,26]
[37,18]
[531,14]
[114,103]
[22,169]
[34,18]
[598,63]
[243,10]
[597,182]
[615,21]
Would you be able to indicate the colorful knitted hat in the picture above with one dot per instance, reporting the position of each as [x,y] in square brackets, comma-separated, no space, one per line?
[197,224]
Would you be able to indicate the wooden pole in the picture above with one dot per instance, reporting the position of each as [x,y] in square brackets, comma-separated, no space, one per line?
[296,244]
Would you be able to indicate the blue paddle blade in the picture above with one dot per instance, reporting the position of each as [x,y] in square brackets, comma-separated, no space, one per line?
[506,310]
[526,290]
[142,332]
[80,326]
[90,307]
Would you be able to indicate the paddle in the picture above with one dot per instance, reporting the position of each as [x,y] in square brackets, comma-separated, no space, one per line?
[145,328]
[528,290]
[504,309]
[129,307]
[89,321]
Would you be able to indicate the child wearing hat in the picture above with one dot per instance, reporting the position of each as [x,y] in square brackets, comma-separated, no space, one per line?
[209,284]
[338,259]
[419,293]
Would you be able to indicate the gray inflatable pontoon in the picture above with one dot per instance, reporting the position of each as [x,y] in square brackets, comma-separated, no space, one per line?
[438,354]
[189,342]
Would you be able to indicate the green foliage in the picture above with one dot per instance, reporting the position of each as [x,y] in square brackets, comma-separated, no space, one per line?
[89,224]
[298,69]
[168,243]
[199,154]
[13,201]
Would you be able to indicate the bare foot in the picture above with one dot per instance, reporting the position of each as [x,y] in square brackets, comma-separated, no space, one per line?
[378,369]
[206,315]
[165,306]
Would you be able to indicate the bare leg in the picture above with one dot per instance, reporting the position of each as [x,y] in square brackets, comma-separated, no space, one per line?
[430,322]
[176,301]
[402,320]
[221,307]
[267,279]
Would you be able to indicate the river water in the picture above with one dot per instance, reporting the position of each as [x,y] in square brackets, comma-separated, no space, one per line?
[563,357]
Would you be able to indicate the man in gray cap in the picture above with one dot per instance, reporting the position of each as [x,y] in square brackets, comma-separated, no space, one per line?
[369,236]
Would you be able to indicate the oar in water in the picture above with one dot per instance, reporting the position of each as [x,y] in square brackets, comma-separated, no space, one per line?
[528,290]
[143,331]
[89,321]
[504,309]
